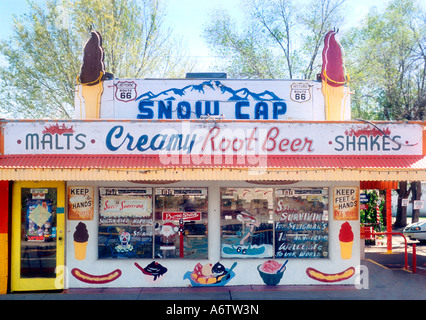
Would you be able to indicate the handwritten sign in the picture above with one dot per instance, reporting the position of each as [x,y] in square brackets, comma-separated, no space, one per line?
[80,203]
[186,216]
[405,202]
[113,206]
[419,204]
[346,203]
[301,228]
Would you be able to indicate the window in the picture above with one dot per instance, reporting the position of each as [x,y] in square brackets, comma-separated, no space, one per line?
[247,222]
[125,223]
[130,228]
[301,223]
[280,223]
[181,223]
[38,232]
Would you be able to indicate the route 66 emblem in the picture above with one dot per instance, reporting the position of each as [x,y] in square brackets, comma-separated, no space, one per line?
[126,91]
[300,92]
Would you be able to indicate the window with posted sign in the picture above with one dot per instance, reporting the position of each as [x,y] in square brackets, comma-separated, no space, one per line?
[301,223]
[274,223]
[181,223]
[126,226]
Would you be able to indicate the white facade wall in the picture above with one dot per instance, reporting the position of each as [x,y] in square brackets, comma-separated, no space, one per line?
[246,269]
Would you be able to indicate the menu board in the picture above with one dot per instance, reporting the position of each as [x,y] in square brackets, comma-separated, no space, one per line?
[301,223]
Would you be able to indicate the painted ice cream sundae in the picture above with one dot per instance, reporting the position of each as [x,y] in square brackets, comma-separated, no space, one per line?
[210,275]
[271,272]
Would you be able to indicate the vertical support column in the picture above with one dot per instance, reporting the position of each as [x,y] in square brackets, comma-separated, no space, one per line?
[389,218]
[414,258]
[214,222]
[4,235]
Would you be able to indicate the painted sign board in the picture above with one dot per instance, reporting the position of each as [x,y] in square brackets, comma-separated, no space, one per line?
[184,99]
[301,225]
[80,203]
[346,203]
[116,206]
[419,204]
[211,138]
[185,216]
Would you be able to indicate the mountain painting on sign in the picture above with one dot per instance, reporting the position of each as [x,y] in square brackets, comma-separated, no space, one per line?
[209,98]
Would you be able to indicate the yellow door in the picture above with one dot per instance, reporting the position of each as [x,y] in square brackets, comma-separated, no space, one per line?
[38,233]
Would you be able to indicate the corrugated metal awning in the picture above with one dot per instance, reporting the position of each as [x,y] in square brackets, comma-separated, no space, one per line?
[193,167]
[202,161]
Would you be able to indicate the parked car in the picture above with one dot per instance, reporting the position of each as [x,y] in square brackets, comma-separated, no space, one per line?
[416,231]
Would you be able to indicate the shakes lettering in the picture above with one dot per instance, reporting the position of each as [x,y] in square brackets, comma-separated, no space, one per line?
[368,139]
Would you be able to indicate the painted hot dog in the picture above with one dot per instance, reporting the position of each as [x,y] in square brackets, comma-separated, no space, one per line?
[325,277]
[89,278]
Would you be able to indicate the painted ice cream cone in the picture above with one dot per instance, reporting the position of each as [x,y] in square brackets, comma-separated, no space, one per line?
[346,238]
[80,250]
[81,237]
[346,250]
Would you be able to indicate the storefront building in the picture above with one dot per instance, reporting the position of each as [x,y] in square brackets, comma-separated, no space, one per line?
[195,182]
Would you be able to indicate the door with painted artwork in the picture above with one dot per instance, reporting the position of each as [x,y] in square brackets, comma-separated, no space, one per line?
[38,236]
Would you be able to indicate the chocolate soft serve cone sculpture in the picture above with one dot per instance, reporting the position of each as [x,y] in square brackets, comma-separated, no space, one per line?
[92,75]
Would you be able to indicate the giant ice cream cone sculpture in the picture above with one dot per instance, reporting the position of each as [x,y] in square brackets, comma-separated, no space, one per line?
[333,78]
[91,77]
[346,238]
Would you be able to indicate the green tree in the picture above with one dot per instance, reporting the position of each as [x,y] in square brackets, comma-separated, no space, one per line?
[278,39]
[44,54]
[387,65]
[368,215]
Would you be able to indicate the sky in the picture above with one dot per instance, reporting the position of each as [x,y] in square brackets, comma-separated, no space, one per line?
[187,19]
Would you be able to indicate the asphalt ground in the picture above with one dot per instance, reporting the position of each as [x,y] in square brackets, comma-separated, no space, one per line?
[374,298]
[378,283]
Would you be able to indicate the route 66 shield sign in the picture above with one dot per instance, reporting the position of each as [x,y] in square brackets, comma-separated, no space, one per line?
[300,92]
[126,91]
